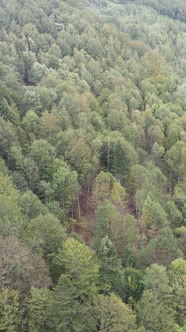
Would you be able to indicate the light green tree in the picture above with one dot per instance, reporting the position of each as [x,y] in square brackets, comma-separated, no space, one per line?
[177,275]
[112,315]
[45,234]
[153,315]
[76,287]
[10,310]
[153,217]
[39,310]
[111,271]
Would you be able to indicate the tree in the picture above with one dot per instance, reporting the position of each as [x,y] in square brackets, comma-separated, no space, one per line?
[64,183]
[163,249]
[31,206]
[19,268]
[177,275]
[180,200]
[108,222]
[10,310]
[180,233]
[11,217]
[174,215]
[118,196]
[175,158]
[50,124]
[39,310]
[30,124]
[78,151]
[131,236]
[3,168]
[8,138]
[103,187]
[76,287]
[156,279]
[153,315]
[111,272]
[79,263]
[124,156]
[112,315]
[43,154]
[133,285]
[155,135]
[153,217]
[45,235]
[27,167]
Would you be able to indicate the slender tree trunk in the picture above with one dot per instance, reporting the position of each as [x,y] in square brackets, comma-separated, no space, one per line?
[108,155]
[78,203]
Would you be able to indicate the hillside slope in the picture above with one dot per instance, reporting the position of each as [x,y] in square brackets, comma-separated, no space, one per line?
[92,165]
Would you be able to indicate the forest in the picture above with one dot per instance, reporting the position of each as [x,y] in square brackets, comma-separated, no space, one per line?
[92,166]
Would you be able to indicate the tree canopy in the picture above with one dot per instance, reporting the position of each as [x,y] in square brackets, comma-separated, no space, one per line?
[92,165]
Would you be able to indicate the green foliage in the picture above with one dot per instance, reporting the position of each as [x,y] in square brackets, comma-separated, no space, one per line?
[76,287]
[39,314]
[11,217]
[79,265]
[161,250]
[111,274]
[10,310]
[124,156]
[31,206]
[42,153]
[133,285]
[108,223]
[103,186]
[92,135]
[20,269]
[177,274]
[45,234]
[153,217]
[64,183]
[112,315]
[153,315]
